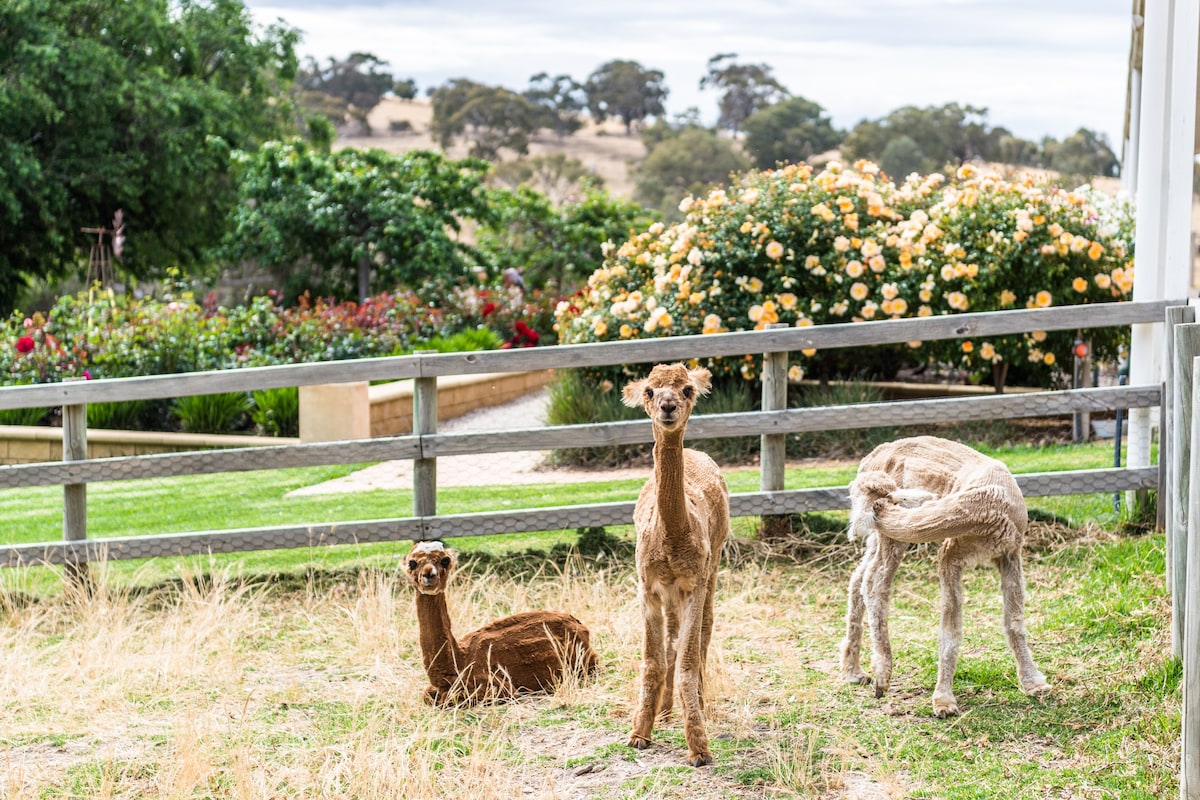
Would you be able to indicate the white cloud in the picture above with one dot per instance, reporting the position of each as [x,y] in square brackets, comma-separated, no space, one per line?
[1041,68]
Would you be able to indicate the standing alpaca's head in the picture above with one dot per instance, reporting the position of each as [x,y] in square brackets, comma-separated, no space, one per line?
[429,566]
[668,393]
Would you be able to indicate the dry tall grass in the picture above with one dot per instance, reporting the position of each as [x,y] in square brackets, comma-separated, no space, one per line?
[210,688]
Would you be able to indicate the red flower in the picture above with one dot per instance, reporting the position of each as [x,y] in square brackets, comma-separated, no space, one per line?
[489,308]
[25,344]
[522,328]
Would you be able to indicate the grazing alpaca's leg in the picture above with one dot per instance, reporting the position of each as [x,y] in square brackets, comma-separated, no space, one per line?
[950,571]
[1012,588]
[855,606]
[654,672]
[877,594]
[690,678]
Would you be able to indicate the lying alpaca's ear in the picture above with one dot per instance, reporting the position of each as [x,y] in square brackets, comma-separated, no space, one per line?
[701,379]
[632,393]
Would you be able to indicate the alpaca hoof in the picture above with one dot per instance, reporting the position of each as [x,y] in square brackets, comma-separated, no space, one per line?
[699,759]
[945,707]
[1036,688]
[639,742]
[858,679]
[880,690]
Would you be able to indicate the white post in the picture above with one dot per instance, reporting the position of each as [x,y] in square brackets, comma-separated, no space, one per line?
[1164,187]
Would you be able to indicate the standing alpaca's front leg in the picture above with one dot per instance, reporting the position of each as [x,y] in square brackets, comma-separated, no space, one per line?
[691,678]
[654,671]
[1012,588]
[855,606]
[671,614]
[877,596]
[950,634]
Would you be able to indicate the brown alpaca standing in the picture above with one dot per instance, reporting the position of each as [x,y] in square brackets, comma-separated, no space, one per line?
[682,519]
[927,489]
[528,652]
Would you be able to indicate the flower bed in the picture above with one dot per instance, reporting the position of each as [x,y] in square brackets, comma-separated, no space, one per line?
[840,245]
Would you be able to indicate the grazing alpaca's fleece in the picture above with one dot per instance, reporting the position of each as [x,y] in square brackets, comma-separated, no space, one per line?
[528,652]
[682,521]
[926,489]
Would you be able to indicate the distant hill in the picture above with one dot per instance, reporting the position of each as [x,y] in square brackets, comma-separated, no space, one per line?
[605,149]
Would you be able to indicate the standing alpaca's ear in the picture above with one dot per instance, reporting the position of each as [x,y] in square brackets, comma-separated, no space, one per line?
[702,379]
[632,393]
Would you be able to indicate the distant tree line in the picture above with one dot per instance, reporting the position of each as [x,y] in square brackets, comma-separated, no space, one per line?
[176,141]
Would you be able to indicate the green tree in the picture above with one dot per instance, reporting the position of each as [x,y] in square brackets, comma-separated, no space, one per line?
[902,157]
[490,117]
[353,86]
[690,162]
[625,90]
[949,134]
[792,130]
[555,175]
[405,89]
[557,245]
[90,124]
[354,222]
[560,100]
[747,88]
[1083,154]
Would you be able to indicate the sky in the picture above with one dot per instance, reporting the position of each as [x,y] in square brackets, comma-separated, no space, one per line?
[1040,67]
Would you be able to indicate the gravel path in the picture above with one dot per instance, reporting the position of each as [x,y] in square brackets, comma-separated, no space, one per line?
[521,467]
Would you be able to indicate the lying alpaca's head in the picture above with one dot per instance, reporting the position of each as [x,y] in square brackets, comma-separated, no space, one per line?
[429,566]
[668,393]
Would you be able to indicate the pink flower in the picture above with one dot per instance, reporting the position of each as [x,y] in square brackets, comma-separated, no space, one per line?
[25,344]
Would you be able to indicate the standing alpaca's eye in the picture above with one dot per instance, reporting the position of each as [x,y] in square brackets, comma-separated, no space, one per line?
[649,393]
[687,392]
[412,565]
[446,562]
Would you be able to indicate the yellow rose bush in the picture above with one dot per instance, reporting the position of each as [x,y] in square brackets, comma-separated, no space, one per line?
[1006,244]
[800,247]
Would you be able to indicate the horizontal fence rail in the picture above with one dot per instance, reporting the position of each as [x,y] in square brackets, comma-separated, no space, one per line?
[425,447]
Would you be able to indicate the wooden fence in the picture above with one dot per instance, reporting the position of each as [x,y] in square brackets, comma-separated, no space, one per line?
[425,445]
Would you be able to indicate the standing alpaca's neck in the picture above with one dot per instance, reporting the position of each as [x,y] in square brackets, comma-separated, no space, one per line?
[668,475]
[439,649]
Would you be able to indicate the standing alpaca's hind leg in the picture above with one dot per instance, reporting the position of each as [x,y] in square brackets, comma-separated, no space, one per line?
[950,634]
[1012,588]
[877,595]
[654,673]
[855,606]
[706,632]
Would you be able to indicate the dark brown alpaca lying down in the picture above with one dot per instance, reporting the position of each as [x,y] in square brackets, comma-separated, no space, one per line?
[926,489]
[528,652]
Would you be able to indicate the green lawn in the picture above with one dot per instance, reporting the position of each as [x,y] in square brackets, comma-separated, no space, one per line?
[258,499]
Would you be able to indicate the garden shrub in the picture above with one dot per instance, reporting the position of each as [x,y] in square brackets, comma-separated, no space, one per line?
[23,416]
[124,415]
[800,247]
[276,412]
[212,413]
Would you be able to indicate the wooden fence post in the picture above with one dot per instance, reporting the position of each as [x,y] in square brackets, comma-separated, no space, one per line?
[425,417]
[1187,346]
[1189,768]
[1169,462]
[773,447]
[74,433]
